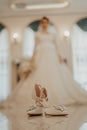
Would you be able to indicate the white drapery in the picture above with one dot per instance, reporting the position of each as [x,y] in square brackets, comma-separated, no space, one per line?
[79,50]
[4,65]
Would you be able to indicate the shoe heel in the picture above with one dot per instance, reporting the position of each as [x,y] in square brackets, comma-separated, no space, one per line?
[44,113]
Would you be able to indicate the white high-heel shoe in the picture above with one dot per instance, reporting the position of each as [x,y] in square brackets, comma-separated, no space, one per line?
[56,111]
[37,109]
[53,110]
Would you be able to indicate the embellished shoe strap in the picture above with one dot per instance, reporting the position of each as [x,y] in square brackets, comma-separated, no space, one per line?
[43,95]
[61,108]
[39,100]
[31,108]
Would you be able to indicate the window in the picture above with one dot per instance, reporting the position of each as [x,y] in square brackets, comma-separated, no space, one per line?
[4,63]
[29,39]
[79,51]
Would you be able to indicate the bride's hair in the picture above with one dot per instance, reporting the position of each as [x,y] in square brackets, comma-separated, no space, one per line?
[45,18]
[50,28]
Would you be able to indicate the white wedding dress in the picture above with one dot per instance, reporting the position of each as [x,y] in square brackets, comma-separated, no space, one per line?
[56,77]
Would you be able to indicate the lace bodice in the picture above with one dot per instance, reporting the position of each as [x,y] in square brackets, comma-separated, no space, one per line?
[45,38]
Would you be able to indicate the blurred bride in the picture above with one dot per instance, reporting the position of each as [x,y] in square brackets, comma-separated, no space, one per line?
[50,72]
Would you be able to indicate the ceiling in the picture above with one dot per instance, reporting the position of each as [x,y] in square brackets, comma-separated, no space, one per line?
[76,6]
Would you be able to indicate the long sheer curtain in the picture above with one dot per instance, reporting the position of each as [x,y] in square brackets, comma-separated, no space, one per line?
[4,65]
[79,50]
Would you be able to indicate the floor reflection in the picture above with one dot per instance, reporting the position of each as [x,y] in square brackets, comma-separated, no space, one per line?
[4,123]
[76,120]
[84,126]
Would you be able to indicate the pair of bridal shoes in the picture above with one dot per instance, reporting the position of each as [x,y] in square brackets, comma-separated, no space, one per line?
[51,111]
[42,106]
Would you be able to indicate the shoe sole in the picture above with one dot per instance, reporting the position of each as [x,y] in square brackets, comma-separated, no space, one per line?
[34,114]
[56,115]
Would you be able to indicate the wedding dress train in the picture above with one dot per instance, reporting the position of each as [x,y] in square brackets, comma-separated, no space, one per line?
[56,77]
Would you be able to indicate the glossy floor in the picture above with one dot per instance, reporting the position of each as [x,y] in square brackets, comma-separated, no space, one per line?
[17,119]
